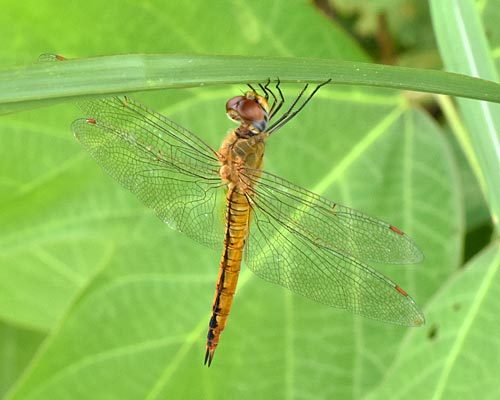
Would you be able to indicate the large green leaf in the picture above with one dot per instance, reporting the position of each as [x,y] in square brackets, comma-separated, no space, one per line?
[375,155]
[459,357]
[124,301]
[16,347]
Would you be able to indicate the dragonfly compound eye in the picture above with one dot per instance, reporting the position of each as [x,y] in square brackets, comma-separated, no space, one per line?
[247,111]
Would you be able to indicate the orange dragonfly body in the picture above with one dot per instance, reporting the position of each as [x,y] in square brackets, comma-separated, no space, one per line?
[287,234]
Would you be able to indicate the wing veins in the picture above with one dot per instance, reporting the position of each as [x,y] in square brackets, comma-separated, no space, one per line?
[131,108]
[339,227]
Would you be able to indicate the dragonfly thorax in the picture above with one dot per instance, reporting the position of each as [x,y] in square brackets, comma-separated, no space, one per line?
[237,153]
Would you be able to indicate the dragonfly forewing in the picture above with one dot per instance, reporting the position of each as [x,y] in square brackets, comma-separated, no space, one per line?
[168,168]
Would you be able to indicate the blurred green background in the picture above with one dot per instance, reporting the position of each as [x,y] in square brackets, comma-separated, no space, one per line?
[100,300]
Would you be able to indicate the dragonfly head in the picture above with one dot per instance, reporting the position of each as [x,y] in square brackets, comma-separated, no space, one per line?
[250,110]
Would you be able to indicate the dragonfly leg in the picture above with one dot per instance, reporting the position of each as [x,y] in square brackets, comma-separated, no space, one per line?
[290,113]
[277,104]
[265,89]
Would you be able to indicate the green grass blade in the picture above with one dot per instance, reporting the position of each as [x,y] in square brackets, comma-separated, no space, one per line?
[464,49]
[28,86]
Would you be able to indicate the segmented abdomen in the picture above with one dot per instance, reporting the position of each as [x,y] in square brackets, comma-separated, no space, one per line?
[237,224]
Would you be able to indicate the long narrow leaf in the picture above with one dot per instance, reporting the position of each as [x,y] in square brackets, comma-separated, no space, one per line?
[29,86]
[464,49]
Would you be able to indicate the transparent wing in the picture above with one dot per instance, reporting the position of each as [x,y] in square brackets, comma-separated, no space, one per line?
[330,224]
[310,246]
[170,169]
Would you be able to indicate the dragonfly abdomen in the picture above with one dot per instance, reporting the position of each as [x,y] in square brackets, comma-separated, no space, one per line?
[237,221]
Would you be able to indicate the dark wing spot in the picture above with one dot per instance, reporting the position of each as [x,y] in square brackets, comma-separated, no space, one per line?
[396,230]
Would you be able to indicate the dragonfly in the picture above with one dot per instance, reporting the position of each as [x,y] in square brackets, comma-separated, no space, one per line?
[225,200]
